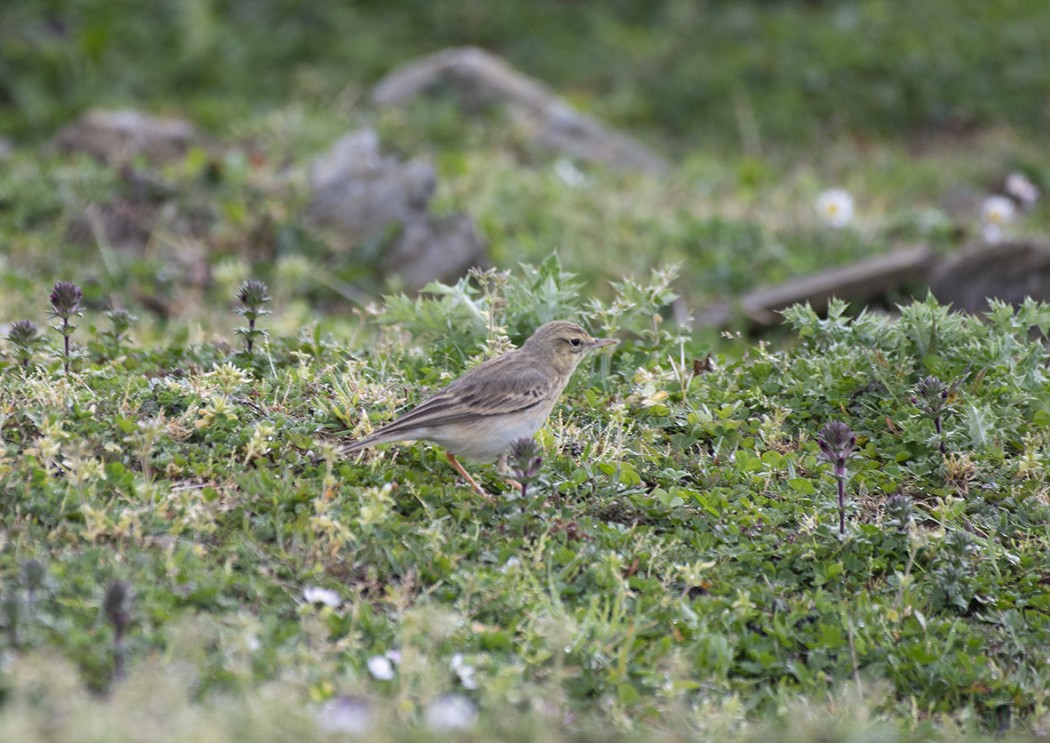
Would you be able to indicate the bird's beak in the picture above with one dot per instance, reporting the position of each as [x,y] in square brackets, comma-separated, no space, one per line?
[602,342]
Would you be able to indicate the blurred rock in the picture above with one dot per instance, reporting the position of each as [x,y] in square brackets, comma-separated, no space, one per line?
[145,207]
[861,281]
[435,248]
[361,193]
[1008,271]
[7,148]
[120,224]
[118,137]
[479,79]
[962,203]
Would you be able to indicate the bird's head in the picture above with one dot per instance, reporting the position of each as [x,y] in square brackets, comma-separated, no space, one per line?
[564,344]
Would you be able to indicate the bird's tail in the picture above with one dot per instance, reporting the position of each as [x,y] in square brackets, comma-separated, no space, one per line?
[379,437]
[348,449]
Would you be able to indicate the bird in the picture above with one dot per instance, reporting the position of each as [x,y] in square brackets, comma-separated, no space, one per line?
[481,414]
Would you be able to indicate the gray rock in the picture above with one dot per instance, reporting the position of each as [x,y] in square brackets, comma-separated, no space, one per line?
[1008,271]
[120,225]
[435,248]
[360,192]
[479,78]
[118,137]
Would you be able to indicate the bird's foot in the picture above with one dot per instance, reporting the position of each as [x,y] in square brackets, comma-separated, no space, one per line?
[466,476]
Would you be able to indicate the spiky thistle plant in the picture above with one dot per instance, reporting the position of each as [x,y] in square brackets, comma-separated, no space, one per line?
[951,570]
[932,397]
[526,459]
[24,336]
[253,296]
[898,512]
[837,442]
[65,305]
[120,321]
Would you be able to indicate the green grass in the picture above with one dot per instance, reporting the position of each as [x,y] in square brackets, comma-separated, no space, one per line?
[731,224]
[736,74]
[676,572]
[677,566]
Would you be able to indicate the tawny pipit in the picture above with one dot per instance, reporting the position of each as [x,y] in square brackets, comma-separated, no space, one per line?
[481,414]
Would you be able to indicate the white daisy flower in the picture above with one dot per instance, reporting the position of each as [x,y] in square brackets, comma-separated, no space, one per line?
[318,595]
[381,668]
[835,207]
[463,671]
[1020,189]
[996,213]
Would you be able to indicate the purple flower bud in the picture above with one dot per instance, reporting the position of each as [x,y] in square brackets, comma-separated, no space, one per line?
[23,333]
[253,294]
[837,442]
[65,299]
[931,396]
[525,462]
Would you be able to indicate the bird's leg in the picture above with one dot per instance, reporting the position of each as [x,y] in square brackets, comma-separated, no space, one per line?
[466,475]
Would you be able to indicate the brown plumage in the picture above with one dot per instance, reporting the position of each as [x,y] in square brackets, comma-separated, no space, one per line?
[482,413]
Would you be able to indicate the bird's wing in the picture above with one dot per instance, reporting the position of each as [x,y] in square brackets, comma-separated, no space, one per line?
[475,395]
[471,396]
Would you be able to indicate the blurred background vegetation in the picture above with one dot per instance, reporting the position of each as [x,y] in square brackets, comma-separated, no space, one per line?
[760,104]
[680,73]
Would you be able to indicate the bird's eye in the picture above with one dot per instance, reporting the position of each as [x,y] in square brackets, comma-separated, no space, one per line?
[575,342]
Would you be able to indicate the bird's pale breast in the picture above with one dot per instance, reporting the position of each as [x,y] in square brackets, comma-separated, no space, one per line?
[485,439]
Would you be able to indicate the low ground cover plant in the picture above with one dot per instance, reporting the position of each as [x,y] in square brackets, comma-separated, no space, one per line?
[677,558]
[835,531]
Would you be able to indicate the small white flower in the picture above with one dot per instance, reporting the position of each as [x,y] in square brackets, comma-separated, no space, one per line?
[569,174]
[997,210]
[992,233]
[381,668]
[450,712]
[835,207]
[464,672]
[1018,187]
[996,213]
[345,715]
[318,595]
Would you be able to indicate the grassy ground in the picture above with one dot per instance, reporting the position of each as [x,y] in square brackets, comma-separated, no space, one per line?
[183,555]
[676,565]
